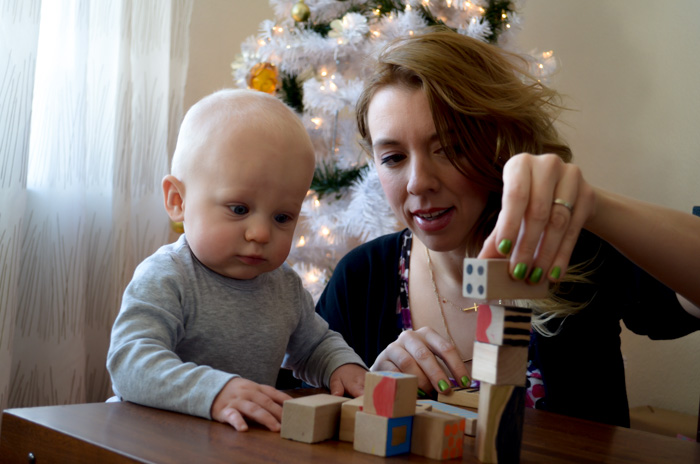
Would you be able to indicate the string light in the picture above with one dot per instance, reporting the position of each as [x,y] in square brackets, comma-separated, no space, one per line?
[301,242]
[313,276]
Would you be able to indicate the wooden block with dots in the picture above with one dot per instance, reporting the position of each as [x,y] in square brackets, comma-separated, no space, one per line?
[489,279]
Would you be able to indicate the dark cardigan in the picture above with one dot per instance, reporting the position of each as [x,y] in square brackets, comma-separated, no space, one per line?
[581,366]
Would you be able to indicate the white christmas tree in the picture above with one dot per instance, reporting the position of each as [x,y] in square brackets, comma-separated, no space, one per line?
[315,56]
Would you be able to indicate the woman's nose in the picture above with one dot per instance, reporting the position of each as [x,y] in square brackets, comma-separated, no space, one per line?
[422,176]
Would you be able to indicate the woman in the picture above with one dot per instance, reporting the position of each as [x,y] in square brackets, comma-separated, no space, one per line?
[449,122]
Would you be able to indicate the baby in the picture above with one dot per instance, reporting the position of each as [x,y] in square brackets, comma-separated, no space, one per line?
[207,321]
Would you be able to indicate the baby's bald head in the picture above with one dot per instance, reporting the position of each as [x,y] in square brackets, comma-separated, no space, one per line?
[225,114]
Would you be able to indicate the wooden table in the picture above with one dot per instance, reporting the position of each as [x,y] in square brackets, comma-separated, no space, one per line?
[125,432]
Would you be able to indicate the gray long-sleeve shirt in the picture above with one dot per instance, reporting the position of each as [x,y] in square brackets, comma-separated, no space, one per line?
[183,331]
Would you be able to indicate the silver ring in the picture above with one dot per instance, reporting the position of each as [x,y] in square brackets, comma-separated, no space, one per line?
[564,203]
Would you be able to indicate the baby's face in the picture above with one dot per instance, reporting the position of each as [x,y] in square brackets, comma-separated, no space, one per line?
[243,198]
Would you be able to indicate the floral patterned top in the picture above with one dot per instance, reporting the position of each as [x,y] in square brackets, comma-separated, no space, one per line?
[535,391]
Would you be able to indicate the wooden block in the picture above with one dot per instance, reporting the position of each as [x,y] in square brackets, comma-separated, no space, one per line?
[390,394]
[500,365]
[500,427]
[382,436]
[437,435]
[503,325]
[311,419]
[488,279]
[470,417]
[347,418]
[467,397]
[421,407]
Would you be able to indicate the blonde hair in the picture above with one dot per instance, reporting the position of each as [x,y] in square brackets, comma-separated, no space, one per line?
[486,108]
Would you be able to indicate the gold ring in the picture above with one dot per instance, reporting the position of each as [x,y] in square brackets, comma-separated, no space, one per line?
[564,203]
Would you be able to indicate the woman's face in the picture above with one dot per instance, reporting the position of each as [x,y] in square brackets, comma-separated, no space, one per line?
[424,189]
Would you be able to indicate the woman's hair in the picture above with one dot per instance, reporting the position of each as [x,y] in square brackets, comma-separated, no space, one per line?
[486,108]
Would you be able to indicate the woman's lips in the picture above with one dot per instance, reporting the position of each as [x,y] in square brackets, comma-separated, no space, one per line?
[434,219]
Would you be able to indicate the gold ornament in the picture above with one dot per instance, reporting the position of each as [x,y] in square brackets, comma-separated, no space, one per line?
[263,77]
[177,227]
[300,12]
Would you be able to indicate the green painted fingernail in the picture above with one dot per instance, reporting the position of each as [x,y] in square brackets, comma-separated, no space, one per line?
[536,275]
[504,246]
[466,381]
[519,271]
[421,393]
[443,385]
[556,272]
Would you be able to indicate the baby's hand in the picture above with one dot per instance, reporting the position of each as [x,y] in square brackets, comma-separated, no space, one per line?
[241,398]
[348,378]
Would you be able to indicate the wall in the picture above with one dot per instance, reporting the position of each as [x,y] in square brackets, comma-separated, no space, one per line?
[630,71]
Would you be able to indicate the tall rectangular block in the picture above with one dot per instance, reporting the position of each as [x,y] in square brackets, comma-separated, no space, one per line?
[489,279]
[500,427]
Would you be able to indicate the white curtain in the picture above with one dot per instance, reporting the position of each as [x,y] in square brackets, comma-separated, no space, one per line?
[91,99]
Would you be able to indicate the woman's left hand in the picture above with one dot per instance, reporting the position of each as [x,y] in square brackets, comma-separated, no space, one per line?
[545,204]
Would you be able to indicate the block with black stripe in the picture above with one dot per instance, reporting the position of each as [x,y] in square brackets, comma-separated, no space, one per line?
[503,325]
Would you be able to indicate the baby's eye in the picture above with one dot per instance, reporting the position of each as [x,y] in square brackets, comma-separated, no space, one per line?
[239,209]
[283,218]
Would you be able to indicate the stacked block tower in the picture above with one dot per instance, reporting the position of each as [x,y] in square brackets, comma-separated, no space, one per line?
[500,356]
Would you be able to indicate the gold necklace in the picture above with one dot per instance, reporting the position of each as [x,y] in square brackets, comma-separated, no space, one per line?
[440,300]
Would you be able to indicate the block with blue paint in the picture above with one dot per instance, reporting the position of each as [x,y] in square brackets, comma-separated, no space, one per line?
[382,436]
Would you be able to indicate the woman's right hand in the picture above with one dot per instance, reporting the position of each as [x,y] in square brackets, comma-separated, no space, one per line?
[416,352]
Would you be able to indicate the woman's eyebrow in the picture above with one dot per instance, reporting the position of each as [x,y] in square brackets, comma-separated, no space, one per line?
[385,142]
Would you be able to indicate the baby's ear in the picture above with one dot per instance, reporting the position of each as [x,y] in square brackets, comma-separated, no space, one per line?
[174,197]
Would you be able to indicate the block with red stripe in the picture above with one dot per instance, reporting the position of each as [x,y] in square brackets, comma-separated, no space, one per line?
[503,325]
[390,394]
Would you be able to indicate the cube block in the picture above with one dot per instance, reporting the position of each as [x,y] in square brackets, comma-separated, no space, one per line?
[311,419]
[503,325]
[382,436]
[437,435]
[470,417]
[347,419]
[500,365]
[390,394]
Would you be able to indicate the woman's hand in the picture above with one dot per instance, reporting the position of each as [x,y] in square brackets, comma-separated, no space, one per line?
[545,204]
[416,352]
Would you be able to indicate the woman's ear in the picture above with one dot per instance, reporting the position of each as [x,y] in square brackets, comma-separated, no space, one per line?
[174,197]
